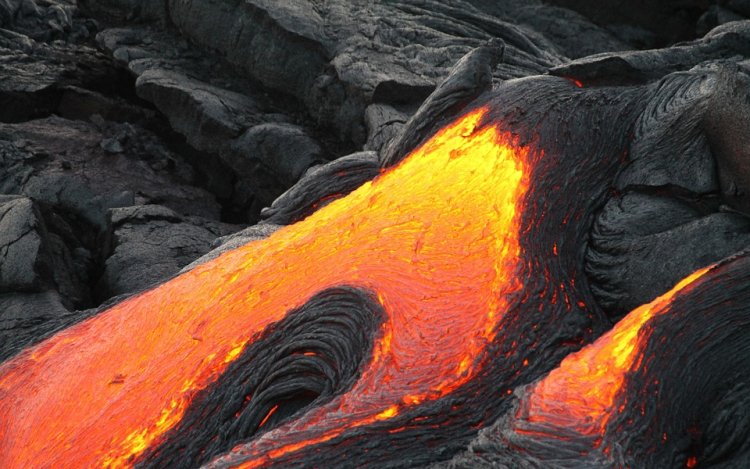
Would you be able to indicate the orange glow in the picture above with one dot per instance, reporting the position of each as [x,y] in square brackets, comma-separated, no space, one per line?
[268,415]
[578,83]
[581,392]
[692,461]
[442,255]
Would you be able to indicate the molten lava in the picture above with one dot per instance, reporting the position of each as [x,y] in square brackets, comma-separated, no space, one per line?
[580,393]
[443,261]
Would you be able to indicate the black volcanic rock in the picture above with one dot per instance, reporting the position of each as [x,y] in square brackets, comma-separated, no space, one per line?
[20,244]
[27,317]
[231,122]
[227,243]
[728,42]
[383,122]
[37,74]
[340,57]
[35,259]
[321,185]
[642,245]
[643,23]
[148,244]
[87,168]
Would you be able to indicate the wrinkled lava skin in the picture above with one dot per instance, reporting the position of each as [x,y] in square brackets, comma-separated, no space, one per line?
[665,388]
[470,249]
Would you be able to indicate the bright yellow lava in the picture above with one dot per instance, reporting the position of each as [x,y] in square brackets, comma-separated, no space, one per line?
[436,238]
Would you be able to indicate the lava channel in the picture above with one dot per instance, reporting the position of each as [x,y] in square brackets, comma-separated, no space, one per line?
[456,271]
[431,258]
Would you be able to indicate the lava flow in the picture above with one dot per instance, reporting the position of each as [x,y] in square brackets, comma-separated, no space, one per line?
[666,388]
[442,263]
[580,393]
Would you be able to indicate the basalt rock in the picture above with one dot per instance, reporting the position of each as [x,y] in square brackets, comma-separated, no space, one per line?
[231,122]
[340,57]
[233,241]
[148,244]
[86,168]
[28,317]
[321,185]
[637,231]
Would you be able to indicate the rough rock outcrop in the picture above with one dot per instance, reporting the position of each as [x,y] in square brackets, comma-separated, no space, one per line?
[148,244]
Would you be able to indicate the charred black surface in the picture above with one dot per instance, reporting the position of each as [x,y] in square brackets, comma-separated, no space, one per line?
[315,353]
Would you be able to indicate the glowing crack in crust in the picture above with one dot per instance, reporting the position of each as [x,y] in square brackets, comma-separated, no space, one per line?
[432,257]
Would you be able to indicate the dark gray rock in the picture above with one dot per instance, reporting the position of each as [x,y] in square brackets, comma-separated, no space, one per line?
[642,23]
[283,148]
[210,117]
[232,124]
[642,245]
[741,7]
[27,317]
[340,57]
[36,75]
[149,244]
[235,127]
[727,128]
[81,104]
[468,79]
[124,11]
[20,245]
[669,145]
[384,123]
[320,186]
[233,241]
[575,35]
[217,113]
[45,20]
[716,16]
[67,164]
[727,42]
[33,259]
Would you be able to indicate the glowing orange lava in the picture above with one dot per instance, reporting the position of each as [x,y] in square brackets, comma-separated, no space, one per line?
[437,238]
[581,392]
